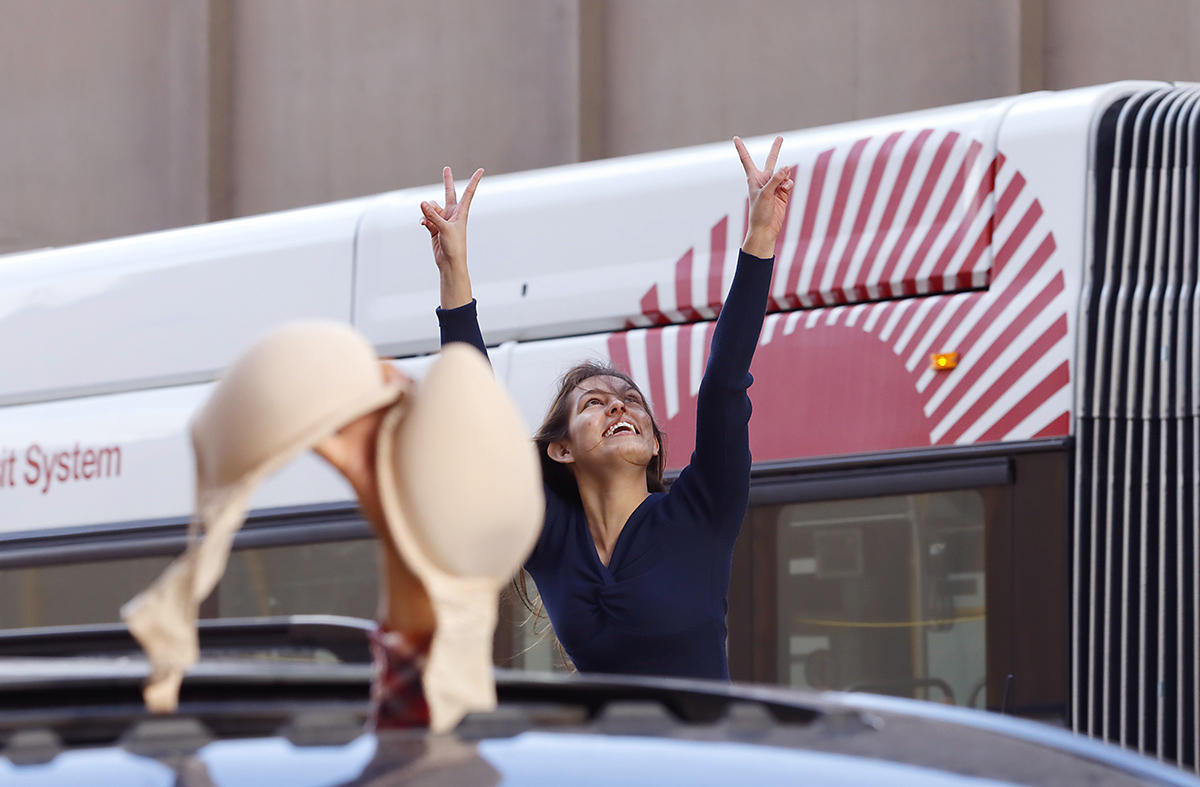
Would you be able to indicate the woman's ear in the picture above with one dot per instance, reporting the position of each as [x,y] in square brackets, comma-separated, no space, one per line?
[560,453]
[657,447]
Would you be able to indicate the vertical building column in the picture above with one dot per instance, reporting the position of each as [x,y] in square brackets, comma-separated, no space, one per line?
[1032,45]
[199,99]
[591,65]
[221,63]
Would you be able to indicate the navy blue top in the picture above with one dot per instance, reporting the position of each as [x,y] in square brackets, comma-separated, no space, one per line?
[658,607]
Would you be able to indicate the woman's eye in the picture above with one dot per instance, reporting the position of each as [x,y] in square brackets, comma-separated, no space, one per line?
[591,402]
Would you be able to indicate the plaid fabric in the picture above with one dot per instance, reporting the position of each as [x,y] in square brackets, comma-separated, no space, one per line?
[397,698]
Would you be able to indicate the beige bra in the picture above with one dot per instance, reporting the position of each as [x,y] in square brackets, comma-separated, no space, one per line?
[458,477]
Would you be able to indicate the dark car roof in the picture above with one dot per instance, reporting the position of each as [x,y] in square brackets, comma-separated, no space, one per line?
[248,719]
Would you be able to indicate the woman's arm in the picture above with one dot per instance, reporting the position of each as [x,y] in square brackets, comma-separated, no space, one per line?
[447,225]
[741,317]
[717,480]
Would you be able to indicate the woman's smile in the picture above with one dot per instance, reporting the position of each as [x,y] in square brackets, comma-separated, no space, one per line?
[621,427]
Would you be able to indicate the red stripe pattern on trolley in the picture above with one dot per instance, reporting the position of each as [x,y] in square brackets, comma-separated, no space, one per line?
[874,223]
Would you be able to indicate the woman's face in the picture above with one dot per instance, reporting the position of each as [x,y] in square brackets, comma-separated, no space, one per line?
[609,425]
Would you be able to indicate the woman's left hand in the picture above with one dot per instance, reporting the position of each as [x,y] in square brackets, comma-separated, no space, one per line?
[769,191]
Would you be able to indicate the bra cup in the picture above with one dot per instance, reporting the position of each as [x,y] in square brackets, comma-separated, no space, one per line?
[276,392]
[461,491]
[468,472]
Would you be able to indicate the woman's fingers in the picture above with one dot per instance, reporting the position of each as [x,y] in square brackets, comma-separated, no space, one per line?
[448,181]
[744,155]
[433,217]
[773,156]
[777,179]
[758,178]
[454,207]
[464,207]
[438,219]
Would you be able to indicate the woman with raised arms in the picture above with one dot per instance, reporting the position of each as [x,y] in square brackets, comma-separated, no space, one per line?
[635,579]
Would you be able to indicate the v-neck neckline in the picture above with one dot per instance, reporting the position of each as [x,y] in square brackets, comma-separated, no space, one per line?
[606,570]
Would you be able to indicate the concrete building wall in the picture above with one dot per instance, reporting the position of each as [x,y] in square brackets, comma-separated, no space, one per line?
[133,115]
[101,124]
[692,71]
[1091,41]
[334,100]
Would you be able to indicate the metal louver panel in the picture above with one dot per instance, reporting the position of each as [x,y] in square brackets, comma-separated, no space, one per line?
[1135,632]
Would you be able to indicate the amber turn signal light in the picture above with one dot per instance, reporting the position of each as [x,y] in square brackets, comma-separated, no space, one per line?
[943,362]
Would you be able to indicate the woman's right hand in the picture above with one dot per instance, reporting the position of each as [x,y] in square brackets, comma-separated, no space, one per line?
[447,227]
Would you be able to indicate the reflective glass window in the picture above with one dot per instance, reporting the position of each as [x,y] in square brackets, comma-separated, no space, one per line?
[883,594]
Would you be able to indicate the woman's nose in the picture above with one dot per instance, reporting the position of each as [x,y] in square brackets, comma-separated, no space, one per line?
[615,406]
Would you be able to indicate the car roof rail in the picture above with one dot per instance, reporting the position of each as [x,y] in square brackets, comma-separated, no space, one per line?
[687,700]
[344,637]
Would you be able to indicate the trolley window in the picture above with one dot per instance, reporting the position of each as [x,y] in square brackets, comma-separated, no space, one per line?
[883,594]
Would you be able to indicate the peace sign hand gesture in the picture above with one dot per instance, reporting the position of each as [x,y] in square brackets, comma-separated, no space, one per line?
[447,227]
[770,191]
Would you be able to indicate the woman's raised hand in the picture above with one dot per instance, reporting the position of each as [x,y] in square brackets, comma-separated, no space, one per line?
[447,225]
[770,191]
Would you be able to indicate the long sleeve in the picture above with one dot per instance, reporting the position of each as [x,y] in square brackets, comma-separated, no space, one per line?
[461,325]
[716,483]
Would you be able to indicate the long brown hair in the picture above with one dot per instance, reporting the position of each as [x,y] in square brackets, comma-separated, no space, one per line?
[556,475]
